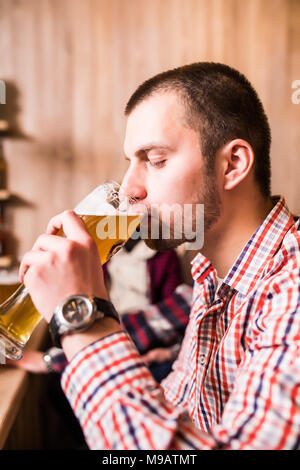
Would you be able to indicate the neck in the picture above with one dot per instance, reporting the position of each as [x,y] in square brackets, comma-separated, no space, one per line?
[225,240]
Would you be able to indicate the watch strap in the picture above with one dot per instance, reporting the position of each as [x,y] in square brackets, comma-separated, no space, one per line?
[106,307]
[54,332]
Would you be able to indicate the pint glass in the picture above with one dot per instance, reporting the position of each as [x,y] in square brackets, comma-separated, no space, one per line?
[110,222]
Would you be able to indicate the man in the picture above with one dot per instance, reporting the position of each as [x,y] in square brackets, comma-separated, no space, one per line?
[195,135]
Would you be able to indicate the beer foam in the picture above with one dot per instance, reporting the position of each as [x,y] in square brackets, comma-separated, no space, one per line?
[96,203]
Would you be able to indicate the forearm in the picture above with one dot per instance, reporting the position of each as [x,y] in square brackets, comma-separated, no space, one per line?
[73,343]
[118,403]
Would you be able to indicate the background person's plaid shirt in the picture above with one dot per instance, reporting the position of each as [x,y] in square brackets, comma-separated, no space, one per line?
[237,375]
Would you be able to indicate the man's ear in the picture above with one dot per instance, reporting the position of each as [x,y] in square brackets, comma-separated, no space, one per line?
[238,159]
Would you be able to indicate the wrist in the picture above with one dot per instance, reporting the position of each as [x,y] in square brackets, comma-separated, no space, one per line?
[72,344]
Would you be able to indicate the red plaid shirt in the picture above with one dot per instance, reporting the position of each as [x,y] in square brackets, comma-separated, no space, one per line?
[236,382]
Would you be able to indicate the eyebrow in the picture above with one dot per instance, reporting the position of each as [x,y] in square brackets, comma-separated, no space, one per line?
[146,148]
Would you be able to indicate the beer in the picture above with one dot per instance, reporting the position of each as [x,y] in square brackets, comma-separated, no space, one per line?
[119,229]
[18,315]
[6,290]
[18,318]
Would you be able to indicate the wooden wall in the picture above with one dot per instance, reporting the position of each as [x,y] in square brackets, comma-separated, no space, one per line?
[72,64]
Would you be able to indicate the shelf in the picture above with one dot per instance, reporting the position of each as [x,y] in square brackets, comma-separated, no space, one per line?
[4,195]
[6,261]
[4,126]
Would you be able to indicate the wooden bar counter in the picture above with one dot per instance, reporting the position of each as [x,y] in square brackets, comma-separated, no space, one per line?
[34,413]
[19,394]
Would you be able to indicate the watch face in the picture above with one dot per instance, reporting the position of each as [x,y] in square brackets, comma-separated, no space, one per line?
[77,311]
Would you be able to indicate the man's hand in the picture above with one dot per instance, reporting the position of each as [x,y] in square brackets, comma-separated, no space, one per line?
[32,361]
[58,267]
[158,355]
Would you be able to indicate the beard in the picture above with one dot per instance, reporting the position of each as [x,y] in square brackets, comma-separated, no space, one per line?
[163,244]
[209,198]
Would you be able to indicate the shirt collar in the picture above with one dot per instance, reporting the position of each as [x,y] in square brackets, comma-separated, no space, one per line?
[249,265]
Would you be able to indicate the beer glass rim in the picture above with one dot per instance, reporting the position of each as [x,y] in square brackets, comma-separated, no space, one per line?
[115,186]
[116,199]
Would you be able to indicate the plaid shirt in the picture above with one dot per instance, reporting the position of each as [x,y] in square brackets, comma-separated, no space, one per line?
[236,382]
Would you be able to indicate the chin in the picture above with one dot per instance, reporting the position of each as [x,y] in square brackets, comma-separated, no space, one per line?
[154,225]
[163,245]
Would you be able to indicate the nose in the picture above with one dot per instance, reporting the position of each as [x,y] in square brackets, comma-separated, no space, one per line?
[133,184]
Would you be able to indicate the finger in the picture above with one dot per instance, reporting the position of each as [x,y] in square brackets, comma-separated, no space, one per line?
[146,357]
[49,243]
[71,224]
[32,258]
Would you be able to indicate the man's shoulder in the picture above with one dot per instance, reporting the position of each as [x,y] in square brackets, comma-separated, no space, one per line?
[274,312]
[291,240]
[284,265]
[279,285]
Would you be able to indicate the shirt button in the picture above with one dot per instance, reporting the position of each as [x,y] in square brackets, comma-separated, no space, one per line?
[202,359]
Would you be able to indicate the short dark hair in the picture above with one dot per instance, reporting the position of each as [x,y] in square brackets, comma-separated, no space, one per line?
[222,104]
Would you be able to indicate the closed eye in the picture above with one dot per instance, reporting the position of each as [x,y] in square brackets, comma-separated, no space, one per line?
[157,164]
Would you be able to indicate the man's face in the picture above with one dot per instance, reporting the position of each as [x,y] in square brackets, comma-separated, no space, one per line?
[166,163]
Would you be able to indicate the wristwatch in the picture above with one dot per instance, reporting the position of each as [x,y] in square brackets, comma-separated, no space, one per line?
[77,313]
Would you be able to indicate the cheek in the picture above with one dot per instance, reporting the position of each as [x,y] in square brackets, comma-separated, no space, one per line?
[174,184]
